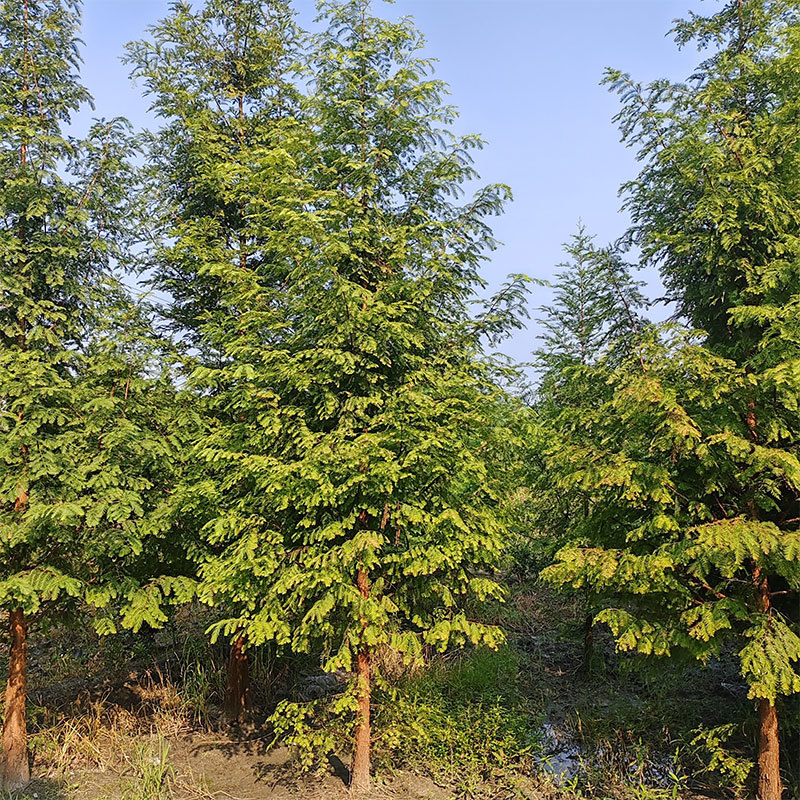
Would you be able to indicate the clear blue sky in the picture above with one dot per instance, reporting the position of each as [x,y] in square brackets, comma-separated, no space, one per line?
[525,75]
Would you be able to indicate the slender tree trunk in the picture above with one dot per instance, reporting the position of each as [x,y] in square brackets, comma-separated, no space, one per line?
[769,771]
[237,692]
[588,642]
[588,620]
[359,775]
[16,772]
[769,767]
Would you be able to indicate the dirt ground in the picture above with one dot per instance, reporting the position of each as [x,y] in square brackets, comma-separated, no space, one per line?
[101,714]
[208,766]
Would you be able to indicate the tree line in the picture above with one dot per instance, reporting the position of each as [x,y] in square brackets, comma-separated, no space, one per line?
[310,428]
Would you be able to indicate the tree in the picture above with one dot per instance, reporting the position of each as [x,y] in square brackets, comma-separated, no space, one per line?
[693,472]
[223,179]
[596,310]
[593,324]
[347,500]
[84,441]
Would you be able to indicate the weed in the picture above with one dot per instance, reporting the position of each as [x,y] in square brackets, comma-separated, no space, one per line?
[463,723]
[92,736]
[201,684]
[153,776]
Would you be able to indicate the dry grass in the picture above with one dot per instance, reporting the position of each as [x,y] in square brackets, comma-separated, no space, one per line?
[137,718]
[100,735]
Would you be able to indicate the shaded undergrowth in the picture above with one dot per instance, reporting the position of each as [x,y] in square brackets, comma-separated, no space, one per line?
[527,721]
[462,721]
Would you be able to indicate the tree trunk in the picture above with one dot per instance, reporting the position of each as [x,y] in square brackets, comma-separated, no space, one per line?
[588,642]
[769,771]
[588,620]
[16,772]
[359,775]
[237,692]
[769,767]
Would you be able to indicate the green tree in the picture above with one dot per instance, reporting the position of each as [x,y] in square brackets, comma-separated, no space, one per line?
[692,468]
[225,176]
[84,438]
[595,314]
[346,498]
[593,323]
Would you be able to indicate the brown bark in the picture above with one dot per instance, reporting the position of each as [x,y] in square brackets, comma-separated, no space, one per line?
[359,774]
[769,771]
[588,642]
[16,772]
[769,767]
[21,502]
[237,692]
[588,620]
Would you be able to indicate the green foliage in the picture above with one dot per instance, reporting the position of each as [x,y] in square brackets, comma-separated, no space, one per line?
[314,729]
[685,461]
[592,325]
[733,770]
[666,468]
[223,80]
[88,433]
[462,722]
[344,485]
[594,316]
[715,203]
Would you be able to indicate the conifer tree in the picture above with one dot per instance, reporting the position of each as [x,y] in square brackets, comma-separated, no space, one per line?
[346,498]
[224,183]
[593,324]
[691,467]
[596,310]
[84,436]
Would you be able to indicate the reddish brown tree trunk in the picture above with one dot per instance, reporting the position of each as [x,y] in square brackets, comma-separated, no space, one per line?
[588,620]
[237,692]
[769,768]
[769,765]
[359,775]
[588,642]
[16,772]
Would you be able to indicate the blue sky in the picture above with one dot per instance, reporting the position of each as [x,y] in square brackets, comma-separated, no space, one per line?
[524,74]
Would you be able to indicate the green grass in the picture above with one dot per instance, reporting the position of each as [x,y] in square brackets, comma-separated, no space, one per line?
[153,776]
[464,722]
